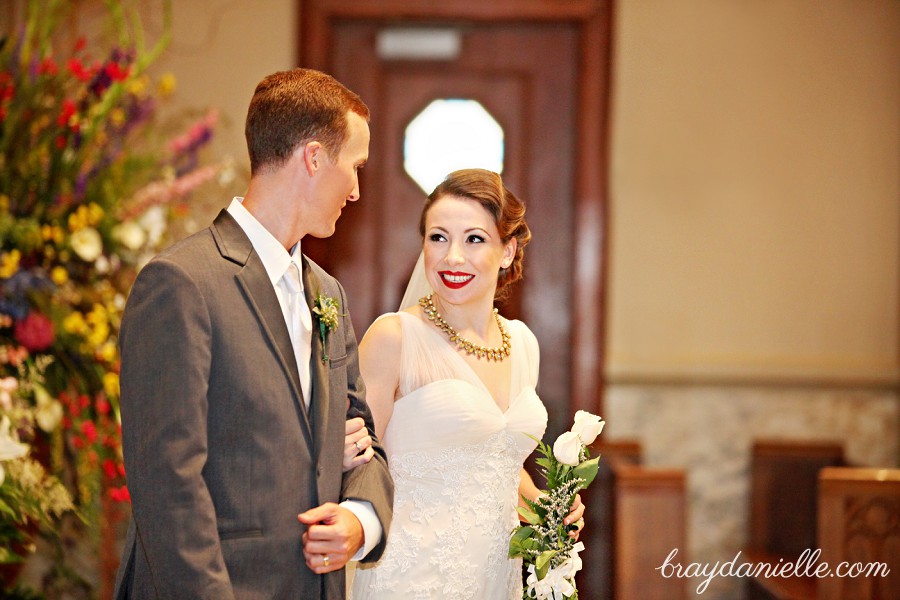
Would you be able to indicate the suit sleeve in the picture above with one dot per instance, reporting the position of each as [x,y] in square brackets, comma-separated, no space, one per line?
[370,482]
[166,351]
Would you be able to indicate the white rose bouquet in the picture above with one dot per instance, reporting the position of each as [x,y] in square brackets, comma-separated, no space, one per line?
[544,544]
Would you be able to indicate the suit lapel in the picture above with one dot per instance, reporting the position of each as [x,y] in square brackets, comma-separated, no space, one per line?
[254,281]
[319,369]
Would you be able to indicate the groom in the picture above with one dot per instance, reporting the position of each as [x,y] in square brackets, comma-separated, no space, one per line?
[233,398]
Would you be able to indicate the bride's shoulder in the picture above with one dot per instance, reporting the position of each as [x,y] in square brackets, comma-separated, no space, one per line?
[521,331]
[383,338]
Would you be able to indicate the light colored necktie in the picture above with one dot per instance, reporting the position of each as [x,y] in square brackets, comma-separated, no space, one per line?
[299,325]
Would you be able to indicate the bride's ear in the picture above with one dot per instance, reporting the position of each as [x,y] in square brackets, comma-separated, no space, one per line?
[509,253]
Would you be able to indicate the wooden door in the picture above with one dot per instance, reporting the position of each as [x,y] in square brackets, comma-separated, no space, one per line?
[514,73]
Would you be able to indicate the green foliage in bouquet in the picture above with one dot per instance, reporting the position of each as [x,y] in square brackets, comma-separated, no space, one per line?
[87,189]
[544,544]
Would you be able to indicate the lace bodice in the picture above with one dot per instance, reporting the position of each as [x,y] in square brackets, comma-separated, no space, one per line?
[455,458]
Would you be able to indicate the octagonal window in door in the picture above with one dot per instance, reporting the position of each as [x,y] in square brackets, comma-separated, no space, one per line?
[451,134]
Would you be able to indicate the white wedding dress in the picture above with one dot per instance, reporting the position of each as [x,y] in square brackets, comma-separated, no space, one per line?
[455,458]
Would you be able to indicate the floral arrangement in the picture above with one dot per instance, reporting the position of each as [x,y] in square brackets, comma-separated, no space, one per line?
[86,194]
[544,543]
[327,311]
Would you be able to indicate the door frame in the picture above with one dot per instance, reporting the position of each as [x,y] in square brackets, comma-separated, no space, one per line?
[594,21]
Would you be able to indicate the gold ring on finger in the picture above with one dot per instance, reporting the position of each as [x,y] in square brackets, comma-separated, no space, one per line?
[324,560]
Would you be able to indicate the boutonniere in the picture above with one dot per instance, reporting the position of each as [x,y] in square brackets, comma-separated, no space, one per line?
[326,310]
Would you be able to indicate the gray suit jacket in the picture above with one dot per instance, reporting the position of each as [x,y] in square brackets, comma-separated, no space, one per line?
[220,452]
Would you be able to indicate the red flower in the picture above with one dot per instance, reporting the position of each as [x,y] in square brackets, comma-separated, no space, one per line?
[35,332]
[48,67]
[78,443]
[109,467]
[115,72]
[78,70]
[89,430]
[68,111]
[102,405]
[120,494]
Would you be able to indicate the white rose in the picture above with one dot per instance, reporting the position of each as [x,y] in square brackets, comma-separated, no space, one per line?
[87,244]
[10,448]
[131,235]
[587,426]
[567,448]
[154,222]
[49,411]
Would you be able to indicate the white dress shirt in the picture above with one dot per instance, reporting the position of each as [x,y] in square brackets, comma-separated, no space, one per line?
[276,260]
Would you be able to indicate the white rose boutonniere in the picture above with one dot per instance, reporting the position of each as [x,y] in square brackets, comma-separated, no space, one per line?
[327,311]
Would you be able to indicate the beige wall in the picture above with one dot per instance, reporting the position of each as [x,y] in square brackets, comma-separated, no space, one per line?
[755,199]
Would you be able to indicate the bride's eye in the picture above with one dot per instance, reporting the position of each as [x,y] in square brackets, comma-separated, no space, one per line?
[475,239]
[437,237]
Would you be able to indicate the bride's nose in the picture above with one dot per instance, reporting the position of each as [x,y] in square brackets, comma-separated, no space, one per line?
[455,255]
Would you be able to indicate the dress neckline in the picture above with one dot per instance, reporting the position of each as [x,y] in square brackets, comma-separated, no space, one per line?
[473,376]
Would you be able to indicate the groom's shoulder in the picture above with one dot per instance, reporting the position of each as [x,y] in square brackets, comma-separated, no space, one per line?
[317,270]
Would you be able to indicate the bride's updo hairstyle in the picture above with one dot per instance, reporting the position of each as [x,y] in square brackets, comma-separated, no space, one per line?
[486,188]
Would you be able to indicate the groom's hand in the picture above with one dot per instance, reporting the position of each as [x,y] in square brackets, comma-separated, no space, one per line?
[332,537]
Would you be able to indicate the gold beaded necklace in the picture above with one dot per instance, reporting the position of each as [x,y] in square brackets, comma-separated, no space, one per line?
[496,354]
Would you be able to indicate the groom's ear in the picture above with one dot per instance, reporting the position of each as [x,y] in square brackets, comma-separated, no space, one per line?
[313,153]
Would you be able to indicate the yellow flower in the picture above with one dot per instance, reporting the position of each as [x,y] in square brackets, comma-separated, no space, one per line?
[9,263]
[98,315]
[117,116]
[138,86]
[107,352]
[74,323]
[4,202]
[59,275]
[111,384]
[166,84]
[98,335]
[94,213]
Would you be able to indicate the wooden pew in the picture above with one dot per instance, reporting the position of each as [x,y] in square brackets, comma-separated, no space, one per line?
[650,521]
[859,522]
[596,580]
[783,501]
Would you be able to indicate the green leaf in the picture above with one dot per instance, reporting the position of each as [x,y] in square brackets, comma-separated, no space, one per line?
[542,564]
[587,471]
[517,543]
[529,515]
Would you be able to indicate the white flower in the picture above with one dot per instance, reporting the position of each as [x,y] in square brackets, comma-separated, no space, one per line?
[9,448]
[87,244]
[587,426]
[554,585]
[567,449]
[8,385]
[154,223]
[49,411]
[131,235]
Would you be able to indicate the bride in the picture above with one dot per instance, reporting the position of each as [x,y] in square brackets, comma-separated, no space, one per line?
[451,385]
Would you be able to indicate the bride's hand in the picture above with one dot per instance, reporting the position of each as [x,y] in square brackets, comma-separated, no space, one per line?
[576,517]
[357,444]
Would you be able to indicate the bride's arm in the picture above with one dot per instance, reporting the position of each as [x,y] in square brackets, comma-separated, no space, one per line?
[379,364]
